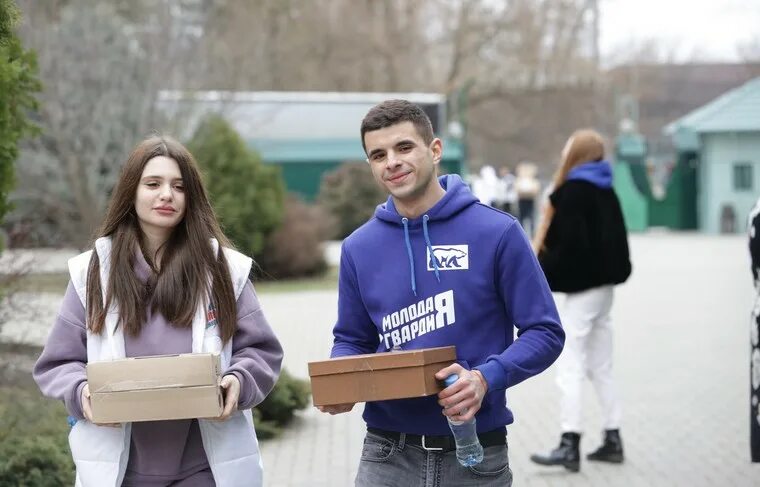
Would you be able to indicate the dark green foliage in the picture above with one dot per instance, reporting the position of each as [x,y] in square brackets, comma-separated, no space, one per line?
[18,81]
[246,194]
[33,440]
[289,395]
[265,430]
[349,195]
[295,248]
[9,17]
[35,461]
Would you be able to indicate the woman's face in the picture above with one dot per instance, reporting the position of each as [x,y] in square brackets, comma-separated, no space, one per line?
[160,198]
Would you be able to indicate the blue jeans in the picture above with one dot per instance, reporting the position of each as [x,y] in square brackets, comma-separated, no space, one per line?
[392,463]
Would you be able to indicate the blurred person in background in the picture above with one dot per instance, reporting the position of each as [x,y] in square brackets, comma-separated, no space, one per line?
[527,187]
[754,366]
[506,198]
[582,246]
[486,187]
[162,279]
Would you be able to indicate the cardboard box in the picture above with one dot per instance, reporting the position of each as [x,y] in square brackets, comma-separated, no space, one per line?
[156,388]
[379,376]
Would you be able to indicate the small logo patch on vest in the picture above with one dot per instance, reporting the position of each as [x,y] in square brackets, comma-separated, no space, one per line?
[211,317]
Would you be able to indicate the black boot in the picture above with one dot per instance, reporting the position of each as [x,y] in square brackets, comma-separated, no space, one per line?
[566,454]
[611,449]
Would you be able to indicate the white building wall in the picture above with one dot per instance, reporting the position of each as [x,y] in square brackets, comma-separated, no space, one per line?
[720,151]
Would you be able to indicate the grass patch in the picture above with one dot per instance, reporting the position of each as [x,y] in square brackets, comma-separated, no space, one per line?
[324,282]
[57,282]
[24,411]
[42,283]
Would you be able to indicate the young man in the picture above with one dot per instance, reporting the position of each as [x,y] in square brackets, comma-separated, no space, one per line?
[470,275]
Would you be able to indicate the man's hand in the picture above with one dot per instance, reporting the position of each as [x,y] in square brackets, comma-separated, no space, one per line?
[231,386]
[462,399]
[337,408]
[87,408]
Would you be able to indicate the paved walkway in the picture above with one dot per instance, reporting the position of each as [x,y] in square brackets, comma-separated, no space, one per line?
[682,355]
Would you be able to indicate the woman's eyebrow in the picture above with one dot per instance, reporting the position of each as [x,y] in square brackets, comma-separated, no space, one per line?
[160,177]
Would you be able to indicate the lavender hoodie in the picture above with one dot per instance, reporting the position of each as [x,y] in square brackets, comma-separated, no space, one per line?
[160,451]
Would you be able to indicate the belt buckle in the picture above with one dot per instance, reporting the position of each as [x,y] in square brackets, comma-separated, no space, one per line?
[425,447]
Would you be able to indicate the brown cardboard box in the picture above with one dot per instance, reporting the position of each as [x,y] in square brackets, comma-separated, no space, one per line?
[155,388]
[378,376]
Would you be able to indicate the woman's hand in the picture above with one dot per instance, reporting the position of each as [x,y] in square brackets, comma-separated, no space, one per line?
[87,408]
[231,386]
[337,408]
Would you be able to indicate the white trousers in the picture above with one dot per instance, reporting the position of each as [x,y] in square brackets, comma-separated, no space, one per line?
[587,353]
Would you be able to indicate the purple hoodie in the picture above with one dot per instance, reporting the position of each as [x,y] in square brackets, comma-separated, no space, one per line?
[161,451]
[462,274]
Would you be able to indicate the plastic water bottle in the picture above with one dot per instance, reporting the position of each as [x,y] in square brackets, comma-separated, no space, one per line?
[469,449]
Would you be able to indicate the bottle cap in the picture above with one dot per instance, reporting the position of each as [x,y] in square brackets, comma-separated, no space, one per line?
[450,379]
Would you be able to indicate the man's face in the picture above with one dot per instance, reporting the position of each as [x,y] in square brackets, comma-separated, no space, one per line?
[402,163]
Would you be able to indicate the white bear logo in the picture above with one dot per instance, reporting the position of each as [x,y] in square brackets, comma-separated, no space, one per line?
[448,258]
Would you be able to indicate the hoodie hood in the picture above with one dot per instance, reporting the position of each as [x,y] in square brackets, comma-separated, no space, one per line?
[597,173]
[458,197]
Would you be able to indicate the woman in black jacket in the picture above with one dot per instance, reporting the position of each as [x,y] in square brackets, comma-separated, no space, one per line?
[583,249]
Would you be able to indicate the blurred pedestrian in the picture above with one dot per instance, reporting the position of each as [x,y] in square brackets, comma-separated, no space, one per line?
[582,246]
[162,279]
[754,366]
[527,187]
[506,199]
[486,187]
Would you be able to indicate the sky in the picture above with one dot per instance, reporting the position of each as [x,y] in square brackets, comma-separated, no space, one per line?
[712,31]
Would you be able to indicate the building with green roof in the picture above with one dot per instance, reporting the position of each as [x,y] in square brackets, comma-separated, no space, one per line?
[302,162]
[308,134]
[725,134]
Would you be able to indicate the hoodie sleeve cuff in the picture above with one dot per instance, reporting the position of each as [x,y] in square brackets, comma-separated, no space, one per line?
[74,401]
[247,397]
[494,375]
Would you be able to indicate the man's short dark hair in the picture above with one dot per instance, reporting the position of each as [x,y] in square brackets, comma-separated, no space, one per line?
[391,112]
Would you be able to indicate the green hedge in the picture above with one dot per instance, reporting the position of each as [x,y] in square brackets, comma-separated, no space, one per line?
[35,461]
[278,409]
[247,195]
[34,448]
[349,195]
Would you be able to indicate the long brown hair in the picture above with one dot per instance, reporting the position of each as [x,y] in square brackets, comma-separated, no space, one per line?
[585,145]
[187,260]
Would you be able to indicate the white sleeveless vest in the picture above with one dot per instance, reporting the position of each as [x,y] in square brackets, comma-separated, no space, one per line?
[101,452]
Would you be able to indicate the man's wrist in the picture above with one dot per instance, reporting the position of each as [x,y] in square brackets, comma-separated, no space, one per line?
[482,379]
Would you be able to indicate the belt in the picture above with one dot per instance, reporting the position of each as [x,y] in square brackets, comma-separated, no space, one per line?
[443,443]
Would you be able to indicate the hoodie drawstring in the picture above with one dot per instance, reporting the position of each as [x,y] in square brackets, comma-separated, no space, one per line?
[425,219]
[405,221]
[428,245]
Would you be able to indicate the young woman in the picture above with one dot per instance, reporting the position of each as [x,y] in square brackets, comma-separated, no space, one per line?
[583,249]
[162,279]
